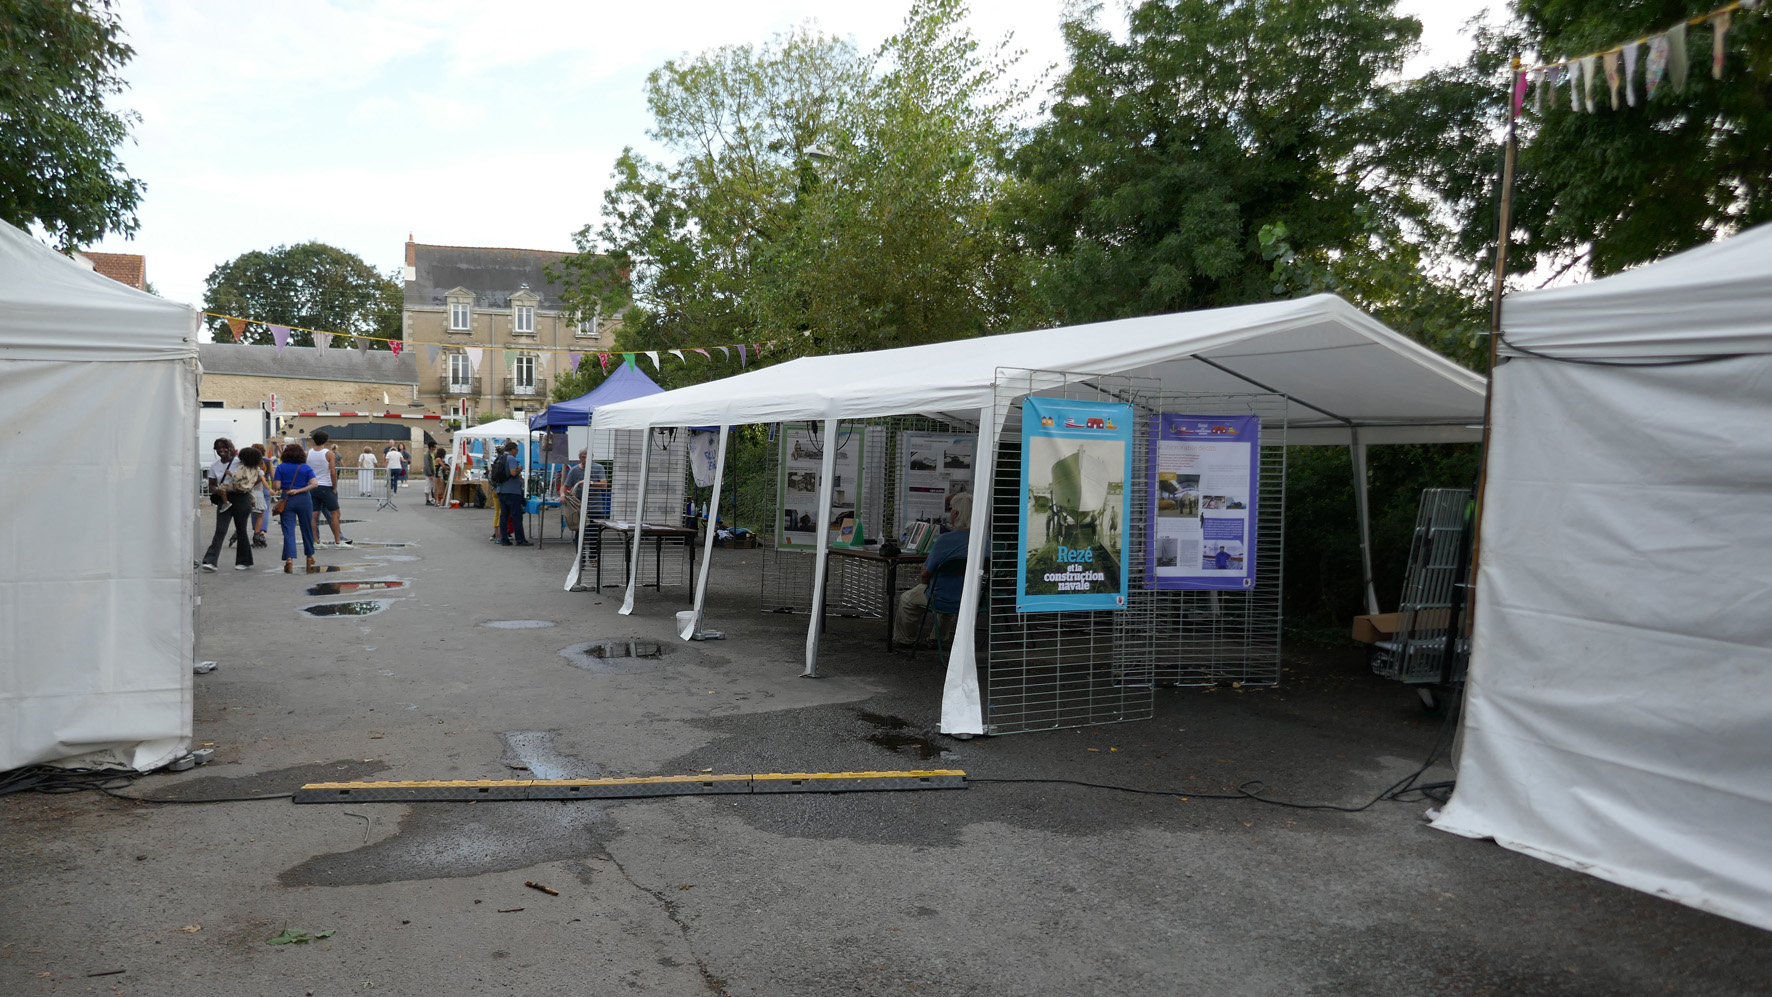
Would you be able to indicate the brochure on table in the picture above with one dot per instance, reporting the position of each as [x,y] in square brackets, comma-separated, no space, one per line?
[1203,488]
[802,459]
[933,467]
[1075,469]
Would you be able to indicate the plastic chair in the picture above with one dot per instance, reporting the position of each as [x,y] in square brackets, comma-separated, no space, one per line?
[952,567]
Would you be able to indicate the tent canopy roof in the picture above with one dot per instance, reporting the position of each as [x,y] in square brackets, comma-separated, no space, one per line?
[627,382]
[1715,299]
[499,429]
[52,308]
[1339,366]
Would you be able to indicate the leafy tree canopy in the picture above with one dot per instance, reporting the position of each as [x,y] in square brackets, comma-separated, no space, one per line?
[59,61]
[312,285]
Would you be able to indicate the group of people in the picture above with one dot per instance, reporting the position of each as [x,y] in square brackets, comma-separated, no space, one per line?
[395,457]
[299,487]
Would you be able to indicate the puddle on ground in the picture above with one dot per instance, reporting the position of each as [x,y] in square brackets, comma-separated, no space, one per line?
[532,751]
[321,569]
[615,657]
[448,840]
[395,557]
[344,521]
[893,735]
[379,544]
[349,588]
[518,624]
[362,607]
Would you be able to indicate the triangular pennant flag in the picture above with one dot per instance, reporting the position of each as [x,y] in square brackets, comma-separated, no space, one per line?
[742,358]
[431,351]
[1609,62]
[725,354]
[541,362]
[1519,92]
[1676,56]
[1574,66]
[603,358]
[627,358]
[1657,67]
[280,336]
[1589,72]
[237,327]
[705,353]
[1631,51]
[395,346]
[573,359]
[474,353]
[1719,27]
[757,348]
[322,340]
[652,355]
[679,355]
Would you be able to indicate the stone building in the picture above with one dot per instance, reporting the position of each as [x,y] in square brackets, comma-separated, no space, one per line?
[488,328]
[335,384]
[124,268]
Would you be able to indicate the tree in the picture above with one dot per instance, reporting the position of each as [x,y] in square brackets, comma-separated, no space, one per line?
[59,62]
[311,285]
[817,197]
[1230,153]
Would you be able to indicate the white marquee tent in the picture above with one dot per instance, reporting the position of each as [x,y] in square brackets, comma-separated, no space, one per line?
[1618,716]
[98,396]
[1348,378]
[498,429]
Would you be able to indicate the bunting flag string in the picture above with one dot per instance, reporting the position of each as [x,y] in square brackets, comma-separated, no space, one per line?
[603,358]
[431,352]
[653,356]
[280,336]
[394,346]
[237,327]
[1667,62]
[573,360]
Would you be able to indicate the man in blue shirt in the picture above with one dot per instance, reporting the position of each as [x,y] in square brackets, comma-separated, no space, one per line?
[948,546]
[510,498]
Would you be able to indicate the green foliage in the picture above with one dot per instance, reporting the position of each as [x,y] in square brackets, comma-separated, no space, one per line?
[311,285]
[815,197]
[59,62]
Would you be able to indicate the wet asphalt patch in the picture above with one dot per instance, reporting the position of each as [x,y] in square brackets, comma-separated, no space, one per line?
[284,780]
[518,624]
[455,840]
[894,734]
[349,588]
[359,607]
[532,751]
[615,657]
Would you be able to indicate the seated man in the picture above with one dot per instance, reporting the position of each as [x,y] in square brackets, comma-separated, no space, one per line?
[948,546]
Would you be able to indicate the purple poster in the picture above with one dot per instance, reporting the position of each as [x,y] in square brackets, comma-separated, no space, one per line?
[1205,474]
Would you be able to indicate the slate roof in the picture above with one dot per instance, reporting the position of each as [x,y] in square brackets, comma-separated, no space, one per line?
[492,274]
[336,364]
[124,268]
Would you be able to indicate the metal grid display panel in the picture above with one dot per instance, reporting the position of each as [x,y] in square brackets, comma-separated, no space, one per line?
[665,475]
[1053,670]
[1436,557]
[1045,671]
[853,589]
[1217,637]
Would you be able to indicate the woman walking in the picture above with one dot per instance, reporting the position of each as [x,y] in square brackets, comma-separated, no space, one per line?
[241,480]
[294,509]
[365,461]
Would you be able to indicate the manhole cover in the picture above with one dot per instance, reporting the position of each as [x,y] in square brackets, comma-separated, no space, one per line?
[615,657]
[348,588]
[362,607]
[518,624]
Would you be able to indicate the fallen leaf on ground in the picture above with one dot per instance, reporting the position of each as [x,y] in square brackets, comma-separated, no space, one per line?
[191,929]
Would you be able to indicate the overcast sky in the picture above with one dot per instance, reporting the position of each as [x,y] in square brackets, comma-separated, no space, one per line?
[471,124]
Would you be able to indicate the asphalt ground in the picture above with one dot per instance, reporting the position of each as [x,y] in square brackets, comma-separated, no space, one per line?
[997,889]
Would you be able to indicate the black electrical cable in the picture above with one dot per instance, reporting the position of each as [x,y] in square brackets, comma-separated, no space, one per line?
[54,781]
[1436,791]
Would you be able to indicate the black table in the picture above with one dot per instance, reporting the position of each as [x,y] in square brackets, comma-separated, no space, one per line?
[890,566]
[658,535]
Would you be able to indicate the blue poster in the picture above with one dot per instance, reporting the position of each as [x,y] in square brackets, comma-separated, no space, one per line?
[1076,469]
[1204,481]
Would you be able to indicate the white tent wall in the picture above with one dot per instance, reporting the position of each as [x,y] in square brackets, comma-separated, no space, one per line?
[97,595]
[1341,370]
[1617,715]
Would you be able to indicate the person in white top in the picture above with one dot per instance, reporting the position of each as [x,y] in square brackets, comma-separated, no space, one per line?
[366,476]
[396,469]
[325,465]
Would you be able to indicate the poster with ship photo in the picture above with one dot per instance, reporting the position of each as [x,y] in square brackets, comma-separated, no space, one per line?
[1075,468]
[936,467]
[1204,482]
[802,459]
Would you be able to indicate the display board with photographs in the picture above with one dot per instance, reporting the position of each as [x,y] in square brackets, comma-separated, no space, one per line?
[802,459]
[933,467]
[1204,483]
[1075,508]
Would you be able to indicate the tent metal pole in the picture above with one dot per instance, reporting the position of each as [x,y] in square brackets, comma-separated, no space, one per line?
[707,551]
[827,468]
[962,711]
[627,602]
[1357,453]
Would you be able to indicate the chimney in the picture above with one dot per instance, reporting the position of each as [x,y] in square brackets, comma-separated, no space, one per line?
[411,251]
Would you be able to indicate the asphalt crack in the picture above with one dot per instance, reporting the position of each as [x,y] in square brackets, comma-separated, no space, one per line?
[714,984]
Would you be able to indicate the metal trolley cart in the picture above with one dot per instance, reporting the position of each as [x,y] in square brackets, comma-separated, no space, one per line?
[1431,644]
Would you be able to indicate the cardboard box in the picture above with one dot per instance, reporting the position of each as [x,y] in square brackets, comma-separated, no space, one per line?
[1377,627]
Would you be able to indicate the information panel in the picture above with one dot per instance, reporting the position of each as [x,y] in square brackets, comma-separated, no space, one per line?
[1203,490]
[1075,468]
[802,458]
[935,467]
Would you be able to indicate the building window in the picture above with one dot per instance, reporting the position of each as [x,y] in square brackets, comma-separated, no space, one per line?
[523,375]
[523,320]
[458,316]
[461,373]
[587,330]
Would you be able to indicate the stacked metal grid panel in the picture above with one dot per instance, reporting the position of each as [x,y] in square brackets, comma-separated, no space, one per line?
[665,476]
[853,589]
[1052,670]
[1438,565]
[1195,638]
[1045,671]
